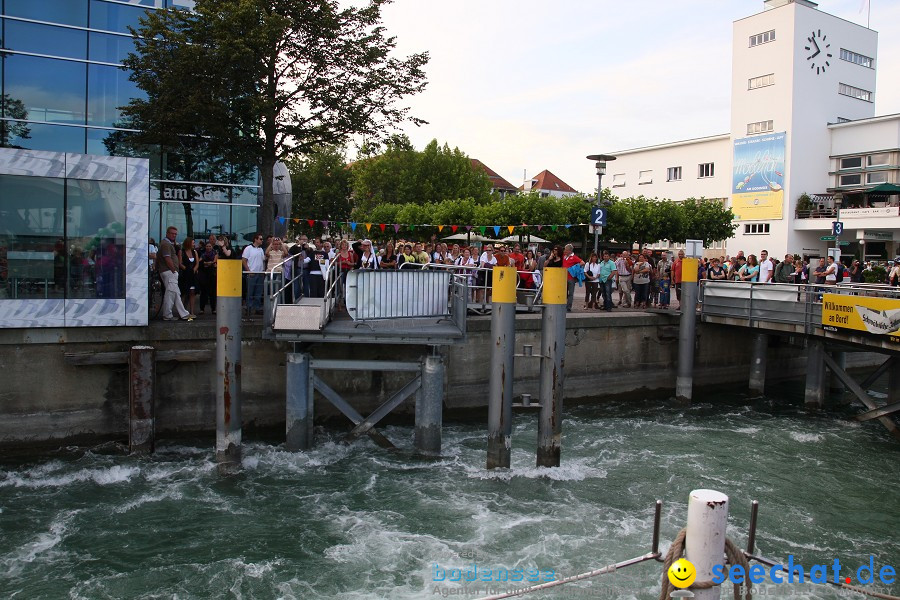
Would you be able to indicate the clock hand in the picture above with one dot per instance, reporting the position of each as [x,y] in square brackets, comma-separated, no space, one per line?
[818,51]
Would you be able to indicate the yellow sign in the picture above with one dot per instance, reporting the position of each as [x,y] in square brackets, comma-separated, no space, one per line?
[879,316]
[758,206]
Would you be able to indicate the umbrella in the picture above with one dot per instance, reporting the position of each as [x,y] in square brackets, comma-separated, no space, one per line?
[531,239]
[457,237]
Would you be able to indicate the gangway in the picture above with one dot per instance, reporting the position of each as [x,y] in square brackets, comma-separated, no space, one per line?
[831,320]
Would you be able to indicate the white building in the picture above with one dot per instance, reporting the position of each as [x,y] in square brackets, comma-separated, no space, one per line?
[802,122]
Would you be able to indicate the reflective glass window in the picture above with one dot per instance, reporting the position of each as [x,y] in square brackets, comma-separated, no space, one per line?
[67,12]
[108,89]
[185,4]
[32,247]
[50,89]
[106,47]
[38,136]
[115,17]
[95,242]
[45,39]
[245,195]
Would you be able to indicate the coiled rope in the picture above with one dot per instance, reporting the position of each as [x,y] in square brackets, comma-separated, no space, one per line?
[734,555]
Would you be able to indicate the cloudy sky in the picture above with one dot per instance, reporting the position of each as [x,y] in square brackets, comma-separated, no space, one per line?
[527,85]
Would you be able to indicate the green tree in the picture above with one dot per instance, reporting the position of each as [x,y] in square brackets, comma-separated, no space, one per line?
[263,80]
[402,175]
[320,183]
[15,109]
[707,219]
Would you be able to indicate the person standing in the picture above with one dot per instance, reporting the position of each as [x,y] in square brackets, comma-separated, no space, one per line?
[167,265]
[253,258]
[664,281]
[676,275]
[189,262]
[607,276]
[641,282]
[624,268]
[591,281]
[570,259]
[209,259]
[766,268]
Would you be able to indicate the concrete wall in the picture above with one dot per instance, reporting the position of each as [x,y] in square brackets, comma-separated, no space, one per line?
[45,399]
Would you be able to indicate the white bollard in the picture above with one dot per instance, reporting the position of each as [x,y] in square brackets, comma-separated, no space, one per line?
[704,544]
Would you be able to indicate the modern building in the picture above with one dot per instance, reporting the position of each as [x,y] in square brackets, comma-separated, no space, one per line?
[547,184]
[803,129]
[76,205]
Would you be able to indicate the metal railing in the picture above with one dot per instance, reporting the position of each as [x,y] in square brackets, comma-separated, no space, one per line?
[416,291]
[795,304]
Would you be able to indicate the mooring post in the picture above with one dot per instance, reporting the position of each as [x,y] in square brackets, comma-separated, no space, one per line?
[704,544]
[228,363]
[687,332]
[814,394]
[503,341]
[141,399]
[553,353]
[429,407]
[758,363]
[299,403]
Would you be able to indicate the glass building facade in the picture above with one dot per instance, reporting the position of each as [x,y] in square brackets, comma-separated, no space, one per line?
[61,86]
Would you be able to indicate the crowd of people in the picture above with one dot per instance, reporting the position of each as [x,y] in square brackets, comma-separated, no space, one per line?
[633,280]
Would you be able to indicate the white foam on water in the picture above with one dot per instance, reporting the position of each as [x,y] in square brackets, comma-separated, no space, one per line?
[806,437]
[39,547]
[170,493]
[109,476]
[748,430]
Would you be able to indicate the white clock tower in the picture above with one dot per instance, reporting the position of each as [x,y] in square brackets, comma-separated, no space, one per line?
[795,70]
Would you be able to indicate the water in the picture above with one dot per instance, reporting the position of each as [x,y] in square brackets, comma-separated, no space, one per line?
[357,522]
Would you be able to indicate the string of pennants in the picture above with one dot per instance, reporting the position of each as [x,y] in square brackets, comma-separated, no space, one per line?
[412,227]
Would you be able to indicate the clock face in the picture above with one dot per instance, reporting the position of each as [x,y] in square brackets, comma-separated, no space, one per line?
[819,57]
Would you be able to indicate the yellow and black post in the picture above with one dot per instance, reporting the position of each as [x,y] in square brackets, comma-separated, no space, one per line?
[503,341]
[684,384]
[228,363]
[553,352]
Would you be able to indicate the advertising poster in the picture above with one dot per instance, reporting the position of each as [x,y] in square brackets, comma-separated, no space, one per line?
[757,186]
[878,316]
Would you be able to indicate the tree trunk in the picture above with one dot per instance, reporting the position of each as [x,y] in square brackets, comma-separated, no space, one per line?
[266,219]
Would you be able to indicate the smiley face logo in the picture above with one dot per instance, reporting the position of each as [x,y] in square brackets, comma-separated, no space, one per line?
[682,573]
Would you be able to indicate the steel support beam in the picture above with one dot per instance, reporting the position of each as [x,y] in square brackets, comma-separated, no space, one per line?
[815,374]
[299,405]
[228,364]
[366,425]
[350,412]
[687,332]
[553,353]
[861,394]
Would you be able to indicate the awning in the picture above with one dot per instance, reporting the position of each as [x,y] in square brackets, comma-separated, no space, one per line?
[884,189]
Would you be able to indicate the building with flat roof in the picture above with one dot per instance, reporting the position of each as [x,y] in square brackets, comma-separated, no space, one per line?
[804,142]
[76,206]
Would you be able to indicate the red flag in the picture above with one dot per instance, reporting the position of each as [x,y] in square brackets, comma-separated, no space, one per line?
[310,222]
[454,228]
[381,227]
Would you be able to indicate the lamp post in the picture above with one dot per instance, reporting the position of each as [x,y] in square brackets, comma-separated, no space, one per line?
[600,161]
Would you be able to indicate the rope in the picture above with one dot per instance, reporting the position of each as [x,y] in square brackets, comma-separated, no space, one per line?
[733,554]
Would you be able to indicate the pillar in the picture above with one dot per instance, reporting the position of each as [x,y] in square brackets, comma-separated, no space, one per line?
[429,407]
[500,388]
[299,402]
[141,399]
[553,350]
[704,543]
[687,332]
[228,363]
[814,394]
[758,363]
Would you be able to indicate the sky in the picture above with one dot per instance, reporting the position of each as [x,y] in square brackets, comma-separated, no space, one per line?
[528,85]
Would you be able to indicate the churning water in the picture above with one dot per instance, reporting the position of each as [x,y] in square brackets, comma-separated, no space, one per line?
[353,521]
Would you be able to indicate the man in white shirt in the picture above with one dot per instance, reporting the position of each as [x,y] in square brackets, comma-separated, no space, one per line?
[766,268]
[253,258]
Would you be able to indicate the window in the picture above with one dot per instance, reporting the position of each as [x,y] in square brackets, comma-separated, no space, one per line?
[111,48]
[65,12]
[877,160]
[51,90]
[854,92]
[645,177]
[618,180]
[45,39]
[760,127]
[115,17]
[673,174]
[880,177]
[762,38]
[851,179]
[854,162]
[706,170]
[762,81]
[858,59]
[108,89]
[756,229]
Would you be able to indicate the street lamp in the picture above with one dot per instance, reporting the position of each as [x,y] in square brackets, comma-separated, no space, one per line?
[600,161]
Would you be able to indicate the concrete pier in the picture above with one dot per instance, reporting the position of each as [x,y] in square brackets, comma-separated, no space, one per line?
[687,332]
[430,407]
[228,363]
[814,394]
[553,352]
[299,403]
[500,385]
[758,363]
[142,399]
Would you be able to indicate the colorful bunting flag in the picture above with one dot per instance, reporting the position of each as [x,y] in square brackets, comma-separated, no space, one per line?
[539,227]
[325,224]
[381,227]
[496,230]
[396,228]
[468,228]
[482,229]
[368,227]
[453,228]
[352,225]
[310,222]
[440,228]
[511,228]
